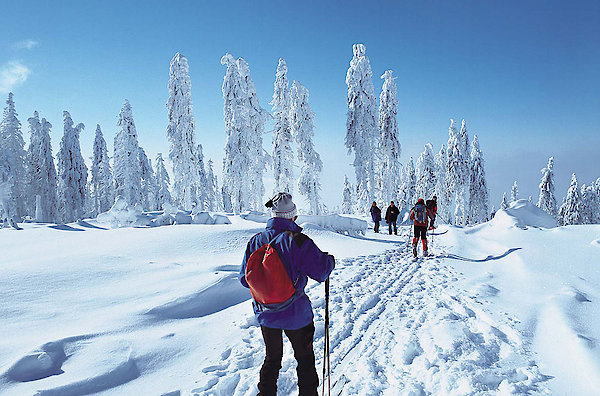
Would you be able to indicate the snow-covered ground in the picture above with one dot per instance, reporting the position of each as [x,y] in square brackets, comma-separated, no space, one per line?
[501,308]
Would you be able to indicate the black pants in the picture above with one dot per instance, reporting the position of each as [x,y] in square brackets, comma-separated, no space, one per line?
[420,232]
[376,229]
[390,223]
[302,343]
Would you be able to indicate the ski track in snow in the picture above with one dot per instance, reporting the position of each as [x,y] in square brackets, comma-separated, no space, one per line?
[398,326]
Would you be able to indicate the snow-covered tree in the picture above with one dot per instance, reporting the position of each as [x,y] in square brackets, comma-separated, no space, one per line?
[257,117]
[41,173]
[457,175]
[440,183]
[504,203]
[283,156]
[514,192]
[425,174]
[148,185]
[180,132]
[127,170]
[389,149]
[478,201]
[570,211]
[163,196]
[102,179]
[347,201]
[203,187]
[213,188]
[361,123]
[407,193]
[547,201]
[590,205]
[301,123]
[12,147]
[493,212]
[237,161]
[72,173]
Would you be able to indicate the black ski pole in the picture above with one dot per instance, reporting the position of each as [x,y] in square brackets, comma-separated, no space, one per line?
[326,362]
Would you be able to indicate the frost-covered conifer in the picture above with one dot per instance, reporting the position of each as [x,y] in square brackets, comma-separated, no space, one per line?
[237,161]
[504,203]
[457,176]
[181,135]
[389,149]
[102,179]
[283,156]
[361,123]
[163,196]
[148,184]
[301,123]
[347,201]
[257,117]
[41,173]
[203,187]
[72,173]
[213,189]
[590,205]
[407,194]
[570,211]
[493,212]
[425,174]
[440,183]
[478,201]
[127,170]
[547,200]
[514,192]
[12,148]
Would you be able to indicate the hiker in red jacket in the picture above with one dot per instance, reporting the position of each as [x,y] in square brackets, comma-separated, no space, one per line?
[420,216]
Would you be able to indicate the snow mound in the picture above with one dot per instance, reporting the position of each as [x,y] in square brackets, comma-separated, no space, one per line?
[258,217]
[123,215]
[336,223]
[523,214]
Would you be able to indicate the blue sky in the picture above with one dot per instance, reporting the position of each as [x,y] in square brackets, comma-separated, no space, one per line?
[524,74]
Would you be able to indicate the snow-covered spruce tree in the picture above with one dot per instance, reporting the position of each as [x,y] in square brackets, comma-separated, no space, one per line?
[514,192]
[283,155]
[163,196]
[440,183]
[361,124]
[148,185]
[547,200]
[457,177]
[127,171]
[301,123]
[590,205]
[425,174]
[72,173]
[493,212]
[180,133]
[407,192]
[41,173]
[388,149]
[257,117]
[570,211]
[347,201]
[12,146]
[102,179]
[478,200]
[213,189]
[237,162]
[504,203]
[203,187]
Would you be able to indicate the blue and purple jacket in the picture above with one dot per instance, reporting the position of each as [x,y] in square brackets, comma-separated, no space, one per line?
[302,259]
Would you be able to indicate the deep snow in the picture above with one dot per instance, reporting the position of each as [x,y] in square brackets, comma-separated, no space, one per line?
[507,307]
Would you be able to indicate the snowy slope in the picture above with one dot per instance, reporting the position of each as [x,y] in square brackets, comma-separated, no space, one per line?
[502,308]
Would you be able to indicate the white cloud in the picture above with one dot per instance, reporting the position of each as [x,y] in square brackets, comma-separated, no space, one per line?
[12,74]
[25,44]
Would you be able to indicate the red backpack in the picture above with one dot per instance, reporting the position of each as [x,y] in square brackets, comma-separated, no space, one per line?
[270,284]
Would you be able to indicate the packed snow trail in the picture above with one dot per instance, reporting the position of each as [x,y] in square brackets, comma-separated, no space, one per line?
[398,326]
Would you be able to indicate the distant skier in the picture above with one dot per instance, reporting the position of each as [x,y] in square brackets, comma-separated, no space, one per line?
[376,216]
[276,267]
[391,215]
[432,207]
[419,214]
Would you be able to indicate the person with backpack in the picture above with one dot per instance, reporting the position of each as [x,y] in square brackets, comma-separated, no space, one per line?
[432,207]
[391,215]
[420,215]
[276,267]
[376,216]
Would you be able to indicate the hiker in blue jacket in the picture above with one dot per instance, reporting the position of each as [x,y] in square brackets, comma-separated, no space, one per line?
[301,259]
[376,216]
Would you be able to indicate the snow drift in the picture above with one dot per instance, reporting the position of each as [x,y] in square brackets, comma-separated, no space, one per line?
[523,214]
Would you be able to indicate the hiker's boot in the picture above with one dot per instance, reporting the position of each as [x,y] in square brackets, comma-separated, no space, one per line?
[425,253]
[414,245]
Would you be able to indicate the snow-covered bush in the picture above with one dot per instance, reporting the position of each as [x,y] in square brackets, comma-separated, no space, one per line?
[336,223]
[121,214]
